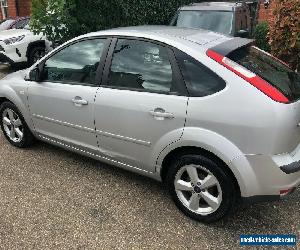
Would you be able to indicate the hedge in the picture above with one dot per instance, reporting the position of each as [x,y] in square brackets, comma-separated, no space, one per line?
[64,19]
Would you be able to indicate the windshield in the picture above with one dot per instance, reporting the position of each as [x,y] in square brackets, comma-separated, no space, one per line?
[270,69]
[218,21]
[6,24]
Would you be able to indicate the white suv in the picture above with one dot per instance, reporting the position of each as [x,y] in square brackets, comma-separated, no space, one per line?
[22,46]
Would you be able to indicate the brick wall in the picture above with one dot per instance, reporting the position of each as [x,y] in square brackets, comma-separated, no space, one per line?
[24,8]
[266,14]
[12,11]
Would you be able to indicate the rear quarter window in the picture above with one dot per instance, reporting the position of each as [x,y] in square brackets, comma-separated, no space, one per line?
[200,80]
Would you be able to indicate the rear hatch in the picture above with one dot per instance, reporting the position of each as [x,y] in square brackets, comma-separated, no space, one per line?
[272,77]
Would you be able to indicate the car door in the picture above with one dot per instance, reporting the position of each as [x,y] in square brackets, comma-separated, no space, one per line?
[141,106]
[62,104]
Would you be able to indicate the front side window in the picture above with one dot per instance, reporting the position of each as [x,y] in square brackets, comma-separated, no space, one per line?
[218,21]
[140,65]
[200,80]
[76,64]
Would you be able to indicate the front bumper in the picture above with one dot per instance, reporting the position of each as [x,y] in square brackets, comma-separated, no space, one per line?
[5,59]
[14,53]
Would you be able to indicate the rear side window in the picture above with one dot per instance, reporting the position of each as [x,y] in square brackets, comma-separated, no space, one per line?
[270,69]
[141,66]
[200,80]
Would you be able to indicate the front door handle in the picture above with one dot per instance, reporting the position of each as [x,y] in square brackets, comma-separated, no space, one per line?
[161,114]
[78,101]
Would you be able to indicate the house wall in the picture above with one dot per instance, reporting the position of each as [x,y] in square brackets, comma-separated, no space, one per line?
[24,8]
[266,14]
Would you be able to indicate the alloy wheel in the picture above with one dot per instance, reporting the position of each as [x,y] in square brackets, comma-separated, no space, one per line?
[198,189]
[12,125]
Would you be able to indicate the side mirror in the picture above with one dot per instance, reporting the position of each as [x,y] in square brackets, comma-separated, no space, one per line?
[35,75]
[243,33]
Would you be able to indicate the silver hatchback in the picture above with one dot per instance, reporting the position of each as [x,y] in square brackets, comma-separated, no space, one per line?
[212,116]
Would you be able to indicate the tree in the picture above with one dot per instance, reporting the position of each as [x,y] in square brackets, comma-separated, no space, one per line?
[65,19]
[285,32]
[261,36]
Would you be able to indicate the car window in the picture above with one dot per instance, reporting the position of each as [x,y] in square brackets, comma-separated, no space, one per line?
[6,24]
[270,69]
[76,64]
[218,21]
[200,80]
[141,65]
[20,24]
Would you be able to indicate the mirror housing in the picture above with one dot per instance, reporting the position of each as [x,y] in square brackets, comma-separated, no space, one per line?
[35,74]
[243,33]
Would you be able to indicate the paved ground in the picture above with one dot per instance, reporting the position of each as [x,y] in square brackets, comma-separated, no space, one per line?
[54,199]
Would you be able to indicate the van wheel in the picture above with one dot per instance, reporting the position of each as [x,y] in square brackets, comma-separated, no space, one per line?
[14,126]
[35,54]
[201,189]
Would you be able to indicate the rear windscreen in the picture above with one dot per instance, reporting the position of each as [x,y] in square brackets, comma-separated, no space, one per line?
[270,69]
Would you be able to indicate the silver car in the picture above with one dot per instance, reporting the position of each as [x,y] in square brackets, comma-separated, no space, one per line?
[212,116]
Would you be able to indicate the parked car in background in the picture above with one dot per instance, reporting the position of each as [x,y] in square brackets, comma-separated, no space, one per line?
[14,23]
[212,116]
[229,18]
[20,45]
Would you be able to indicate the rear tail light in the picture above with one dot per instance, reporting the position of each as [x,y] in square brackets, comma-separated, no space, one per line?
[249,76]
[286,191]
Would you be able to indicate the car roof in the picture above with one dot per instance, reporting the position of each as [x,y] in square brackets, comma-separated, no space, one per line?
[225,6]
[167,34]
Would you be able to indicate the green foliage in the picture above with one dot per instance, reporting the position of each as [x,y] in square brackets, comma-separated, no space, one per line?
[261,36]
[285,32]
[48,17]
[65,19]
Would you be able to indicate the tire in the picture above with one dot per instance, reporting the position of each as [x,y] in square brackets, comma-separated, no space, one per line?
[202,203]
[14,126]
[35,54]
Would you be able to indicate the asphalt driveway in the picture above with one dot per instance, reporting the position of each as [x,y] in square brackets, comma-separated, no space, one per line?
[54,199]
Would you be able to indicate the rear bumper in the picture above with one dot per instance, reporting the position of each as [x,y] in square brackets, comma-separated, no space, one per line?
[268,178]
[293,167]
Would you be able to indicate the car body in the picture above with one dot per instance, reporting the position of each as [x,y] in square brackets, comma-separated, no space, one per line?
[143,106]
[22,46]
[14,23]
[229,18]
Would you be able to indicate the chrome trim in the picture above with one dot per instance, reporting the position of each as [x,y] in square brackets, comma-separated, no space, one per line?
[124,138]
[92,154]
[67,124]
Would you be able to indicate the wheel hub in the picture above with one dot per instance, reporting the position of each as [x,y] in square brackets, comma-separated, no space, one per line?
[197,189]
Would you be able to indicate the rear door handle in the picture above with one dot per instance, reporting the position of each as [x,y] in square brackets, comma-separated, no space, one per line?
[78,101]
[161,114]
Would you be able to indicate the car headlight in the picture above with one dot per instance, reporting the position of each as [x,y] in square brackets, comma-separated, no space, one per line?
[13,40]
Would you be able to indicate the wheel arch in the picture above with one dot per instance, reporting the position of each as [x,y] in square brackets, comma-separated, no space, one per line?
[34,44]
[217,148]
[186,150]
[21,106]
